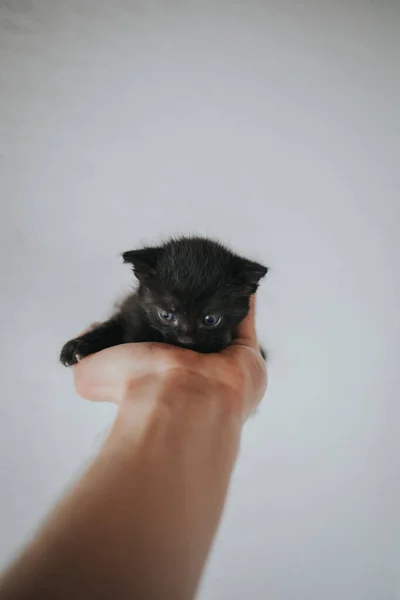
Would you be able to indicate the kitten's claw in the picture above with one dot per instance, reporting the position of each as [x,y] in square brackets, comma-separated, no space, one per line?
[72,352]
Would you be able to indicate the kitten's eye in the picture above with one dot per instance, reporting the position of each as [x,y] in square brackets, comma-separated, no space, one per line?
[166,315]
[211,320]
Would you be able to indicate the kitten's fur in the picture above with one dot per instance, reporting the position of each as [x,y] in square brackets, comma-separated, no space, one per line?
[186,279]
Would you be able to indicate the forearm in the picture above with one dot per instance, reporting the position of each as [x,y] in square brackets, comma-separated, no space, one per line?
[140,522]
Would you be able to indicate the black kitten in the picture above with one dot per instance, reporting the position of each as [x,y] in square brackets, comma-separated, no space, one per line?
[193,292]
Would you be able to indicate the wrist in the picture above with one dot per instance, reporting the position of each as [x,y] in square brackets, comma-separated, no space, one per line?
[178,395]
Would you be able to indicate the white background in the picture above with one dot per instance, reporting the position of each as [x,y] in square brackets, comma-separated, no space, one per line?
[275,127]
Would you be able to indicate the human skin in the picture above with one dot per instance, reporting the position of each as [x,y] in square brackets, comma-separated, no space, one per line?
[140,522]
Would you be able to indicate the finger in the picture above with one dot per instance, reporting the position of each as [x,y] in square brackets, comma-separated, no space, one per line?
[105,375]
[246,331]
[101,375]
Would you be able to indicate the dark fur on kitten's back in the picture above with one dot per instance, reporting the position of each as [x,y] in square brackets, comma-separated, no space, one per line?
[193,292]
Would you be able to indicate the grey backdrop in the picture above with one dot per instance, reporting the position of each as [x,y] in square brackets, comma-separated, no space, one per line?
[274,126]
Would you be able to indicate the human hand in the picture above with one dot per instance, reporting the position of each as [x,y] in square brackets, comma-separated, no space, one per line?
[113,374]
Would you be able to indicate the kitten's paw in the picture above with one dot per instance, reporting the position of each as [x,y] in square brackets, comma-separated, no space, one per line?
[73,351]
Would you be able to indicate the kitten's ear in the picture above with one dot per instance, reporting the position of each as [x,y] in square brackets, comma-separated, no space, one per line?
[250,273]
[143,261]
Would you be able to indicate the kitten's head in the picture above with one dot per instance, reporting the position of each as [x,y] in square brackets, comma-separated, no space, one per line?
[194,291]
